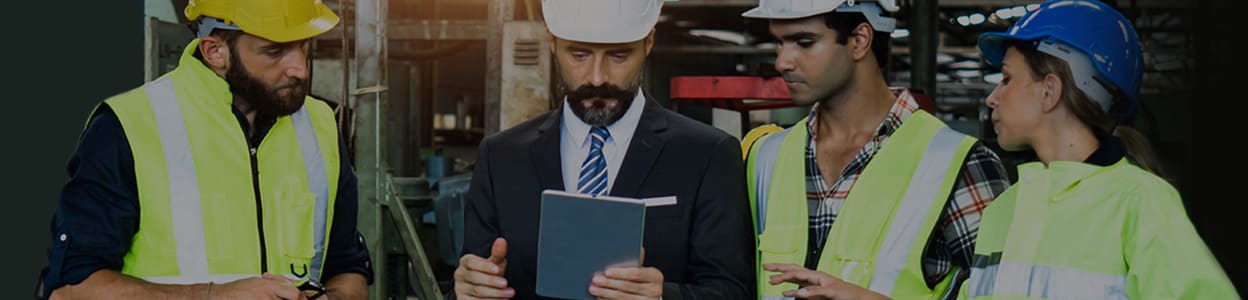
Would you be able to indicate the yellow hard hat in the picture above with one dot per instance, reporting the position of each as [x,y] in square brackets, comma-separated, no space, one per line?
[276,20]
[754,135]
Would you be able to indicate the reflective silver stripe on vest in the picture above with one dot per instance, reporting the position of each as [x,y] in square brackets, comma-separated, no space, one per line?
[318,183]
[217,278]
[1052,282]
[911,213]
[188,220]
[764,165]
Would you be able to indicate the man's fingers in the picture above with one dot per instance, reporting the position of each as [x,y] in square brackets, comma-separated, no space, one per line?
[476,263]
[816,293]
[611,294]
[786,277]
[481,291]
[478,278]
[616,284]
[282,287]
[286,291]
[498,252]
[275,277]
[629,274]
[782,267]
[627,287]
[635,274]
[800,277]
[466,297]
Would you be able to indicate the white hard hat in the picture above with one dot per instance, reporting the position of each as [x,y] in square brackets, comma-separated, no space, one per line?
[601,21]
[797,9]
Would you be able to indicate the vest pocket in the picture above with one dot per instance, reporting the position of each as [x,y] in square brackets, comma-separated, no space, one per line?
[778,244]
[295,217]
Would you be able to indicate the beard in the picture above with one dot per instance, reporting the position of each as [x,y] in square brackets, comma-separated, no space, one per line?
[598,112]
[266,101]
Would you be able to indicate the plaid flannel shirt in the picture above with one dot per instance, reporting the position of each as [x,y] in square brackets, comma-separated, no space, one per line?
[981,179]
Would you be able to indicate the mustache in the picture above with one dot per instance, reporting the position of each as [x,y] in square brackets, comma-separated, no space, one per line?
[605,91]
[295,83]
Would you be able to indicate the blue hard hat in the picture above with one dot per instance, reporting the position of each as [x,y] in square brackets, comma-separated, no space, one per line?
[1095,30]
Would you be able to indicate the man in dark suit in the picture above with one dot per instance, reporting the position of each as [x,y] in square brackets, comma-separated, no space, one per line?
[608,139]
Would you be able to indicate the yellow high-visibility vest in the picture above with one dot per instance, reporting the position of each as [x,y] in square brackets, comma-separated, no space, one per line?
[878,238]
[207,199]
[1079,231]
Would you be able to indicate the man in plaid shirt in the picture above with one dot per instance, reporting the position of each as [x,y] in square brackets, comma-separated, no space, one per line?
[831,59]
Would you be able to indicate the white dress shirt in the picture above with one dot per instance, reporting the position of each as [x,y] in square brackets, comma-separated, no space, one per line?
[574,142]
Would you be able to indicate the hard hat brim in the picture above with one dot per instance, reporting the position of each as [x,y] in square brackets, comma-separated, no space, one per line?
[763,13]
[324,22]
[992,45]
[565,33]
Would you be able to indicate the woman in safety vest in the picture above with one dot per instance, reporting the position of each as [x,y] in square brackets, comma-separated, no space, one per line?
[1091,218]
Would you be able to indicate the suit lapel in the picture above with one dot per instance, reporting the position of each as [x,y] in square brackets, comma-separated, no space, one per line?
[642,151]
[544,153]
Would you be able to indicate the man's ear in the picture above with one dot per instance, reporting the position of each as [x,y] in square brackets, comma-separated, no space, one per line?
[1052,89]
[550,37]
[860,40]
[215,51]
[650,41]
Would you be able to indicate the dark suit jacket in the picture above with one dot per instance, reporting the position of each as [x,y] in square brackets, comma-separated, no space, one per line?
[704,245]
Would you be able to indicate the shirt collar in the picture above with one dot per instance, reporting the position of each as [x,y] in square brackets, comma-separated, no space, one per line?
[622,129]
[1108,153]
[902,108]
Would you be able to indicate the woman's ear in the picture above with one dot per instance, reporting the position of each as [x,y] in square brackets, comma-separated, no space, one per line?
[1051,87]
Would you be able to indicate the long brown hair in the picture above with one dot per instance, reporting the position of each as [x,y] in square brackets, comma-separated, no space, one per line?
[1138,149]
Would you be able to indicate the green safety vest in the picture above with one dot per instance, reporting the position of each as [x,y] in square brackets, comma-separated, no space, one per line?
[201,217]
[1078,231]
[878,238]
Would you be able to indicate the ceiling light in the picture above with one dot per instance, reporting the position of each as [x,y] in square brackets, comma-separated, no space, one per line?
[901,33]
[977,18]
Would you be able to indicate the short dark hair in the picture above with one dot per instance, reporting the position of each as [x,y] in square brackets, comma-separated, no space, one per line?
[844,24]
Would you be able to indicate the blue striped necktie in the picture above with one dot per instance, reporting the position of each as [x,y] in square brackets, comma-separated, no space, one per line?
[593,179]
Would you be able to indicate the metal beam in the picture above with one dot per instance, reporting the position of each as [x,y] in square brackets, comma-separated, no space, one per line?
[370,61]
[428,285]
[923,42]
[439,30]
[500,11]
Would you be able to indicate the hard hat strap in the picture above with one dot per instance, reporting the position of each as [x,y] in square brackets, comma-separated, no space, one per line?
[208,24]
[1087,79]
[874,15]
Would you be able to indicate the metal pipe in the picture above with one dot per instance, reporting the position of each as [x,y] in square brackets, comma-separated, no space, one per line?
[528,9]
[340,112]
[500,11]
[370,54]
[924,38]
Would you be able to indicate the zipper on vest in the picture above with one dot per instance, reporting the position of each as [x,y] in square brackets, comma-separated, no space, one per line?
[255,183]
